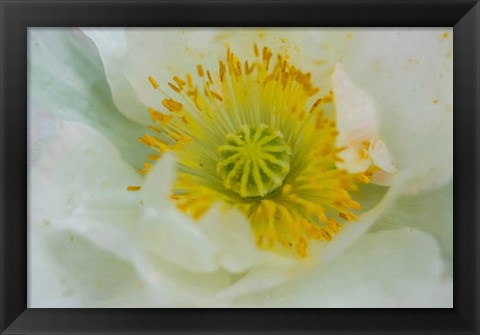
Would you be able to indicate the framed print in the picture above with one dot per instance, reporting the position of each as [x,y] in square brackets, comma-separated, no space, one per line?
[240,167]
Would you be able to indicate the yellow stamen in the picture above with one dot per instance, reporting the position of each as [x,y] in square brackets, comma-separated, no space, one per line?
[250,137]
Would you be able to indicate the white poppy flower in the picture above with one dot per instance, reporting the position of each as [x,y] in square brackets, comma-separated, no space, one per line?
[284,168]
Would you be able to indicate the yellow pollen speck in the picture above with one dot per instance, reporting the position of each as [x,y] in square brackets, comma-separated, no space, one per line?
[133,188]
[253,134]
[445,35]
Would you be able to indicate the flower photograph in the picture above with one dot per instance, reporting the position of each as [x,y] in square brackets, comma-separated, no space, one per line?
[240,167]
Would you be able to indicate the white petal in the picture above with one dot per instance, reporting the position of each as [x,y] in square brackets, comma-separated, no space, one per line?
[289,42]
[353,231]
[66,82]
[382,159]
[79,168]
[158,184]
[96,208]
[409,74]
[357,123]
[158,282]
[106,232]
[430,211]
[230,232]
[46,288]
[91,264]
[112,46]
[400,268]
[232,236]
[176,238]
[173,286]
[381,156]
[381,178]
[165,231]
[131,56]
[64,68]
[96,277]
[256,280]
[356,111]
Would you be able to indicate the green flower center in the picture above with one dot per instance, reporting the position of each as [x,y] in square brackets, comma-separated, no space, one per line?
[254,161]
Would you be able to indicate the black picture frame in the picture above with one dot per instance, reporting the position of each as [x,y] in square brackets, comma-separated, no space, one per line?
[17,15]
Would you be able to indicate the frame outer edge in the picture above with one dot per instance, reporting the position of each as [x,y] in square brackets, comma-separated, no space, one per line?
[13,24]
[467,99]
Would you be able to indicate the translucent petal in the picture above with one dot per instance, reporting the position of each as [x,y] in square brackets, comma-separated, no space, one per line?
[400,268]
[112,46]
[176,238]
[356,111]
[353,231]
[91,263]
[357,123]
[67,83]
[430,211]
[79,167]
[132,55]
[167,232]
[409,74]
[230,232]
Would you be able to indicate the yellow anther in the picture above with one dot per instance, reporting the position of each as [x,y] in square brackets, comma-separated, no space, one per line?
[173,87]
[348,216]
[363,178]
[222,70]
[333,225]
[302,247]
[157,116]
[181,83]
[315,105]
[189,80]
[133,188]
[172,105]
[200,70]
[155,129]
[153,82]
[209,76]
[217,96]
